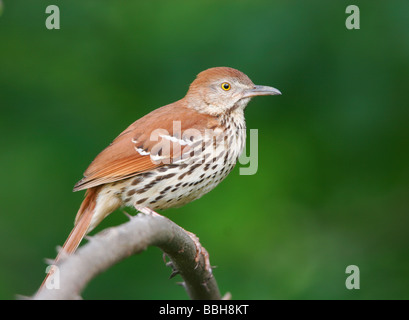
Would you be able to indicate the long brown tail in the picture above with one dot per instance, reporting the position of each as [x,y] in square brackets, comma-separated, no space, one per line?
[82,223]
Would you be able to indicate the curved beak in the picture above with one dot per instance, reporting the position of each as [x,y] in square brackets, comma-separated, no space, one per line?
[261,91]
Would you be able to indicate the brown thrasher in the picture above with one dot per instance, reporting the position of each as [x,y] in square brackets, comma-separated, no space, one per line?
[171,156]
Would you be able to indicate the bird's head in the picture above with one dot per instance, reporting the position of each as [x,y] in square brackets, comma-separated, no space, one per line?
[220,90]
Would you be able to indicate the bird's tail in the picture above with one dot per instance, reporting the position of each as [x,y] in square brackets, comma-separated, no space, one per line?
[82,223]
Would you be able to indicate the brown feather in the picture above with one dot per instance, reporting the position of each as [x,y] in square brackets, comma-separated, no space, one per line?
[120,160]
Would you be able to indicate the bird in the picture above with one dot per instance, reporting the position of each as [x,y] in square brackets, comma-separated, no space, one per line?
[171,156]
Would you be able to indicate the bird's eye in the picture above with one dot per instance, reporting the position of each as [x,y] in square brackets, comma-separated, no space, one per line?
[226,86]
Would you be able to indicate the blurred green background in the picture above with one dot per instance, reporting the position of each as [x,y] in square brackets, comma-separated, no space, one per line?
[332,187]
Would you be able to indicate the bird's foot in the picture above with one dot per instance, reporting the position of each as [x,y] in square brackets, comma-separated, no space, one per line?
[200,250]
[148,211]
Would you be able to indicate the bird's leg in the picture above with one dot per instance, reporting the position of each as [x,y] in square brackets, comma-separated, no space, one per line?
[148,211]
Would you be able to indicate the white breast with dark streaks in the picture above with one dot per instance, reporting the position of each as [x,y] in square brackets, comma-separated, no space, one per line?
[188,179]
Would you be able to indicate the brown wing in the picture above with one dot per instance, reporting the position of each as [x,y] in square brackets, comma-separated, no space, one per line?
[131,152]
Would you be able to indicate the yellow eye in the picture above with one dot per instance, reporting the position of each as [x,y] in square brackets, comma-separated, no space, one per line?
[226,86]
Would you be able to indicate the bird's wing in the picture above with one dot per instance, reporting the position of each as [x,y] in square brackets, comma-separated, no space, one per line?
[150,142]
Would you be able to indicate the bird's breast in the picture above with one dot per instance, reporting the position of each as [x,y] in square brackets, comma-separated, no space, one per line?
[212,157]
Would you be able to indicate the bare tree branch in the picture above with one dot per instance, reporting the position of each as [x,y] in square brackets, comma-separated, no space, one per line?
[112,245]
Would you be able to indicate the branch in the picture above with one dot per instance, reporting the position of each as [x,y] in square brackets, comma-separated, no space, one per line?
[115,244]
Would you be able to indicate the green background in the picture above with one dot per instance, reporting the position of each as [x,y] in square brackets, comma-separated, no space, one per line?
[332,187]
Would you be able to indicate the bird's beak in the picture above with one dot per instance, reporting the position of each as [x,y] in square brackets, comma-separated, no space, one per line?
[261,91]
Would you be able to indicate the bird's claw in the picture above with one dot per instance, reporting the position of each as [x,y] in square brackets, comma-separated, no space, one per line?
[200,250]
